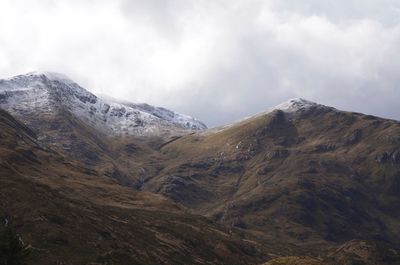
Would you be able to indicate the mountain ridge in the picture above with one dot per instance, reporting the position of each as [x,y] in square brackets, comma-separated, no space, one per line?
[44,90]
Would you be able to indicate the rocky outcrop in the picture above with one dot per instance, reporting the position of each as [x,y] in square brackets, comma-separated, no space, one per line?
[389,157]
[354,137]
[278,154]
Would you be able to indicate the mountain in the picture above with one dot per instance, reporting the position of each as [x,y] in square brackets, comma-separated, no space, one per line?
[301,179]
[302,173]
[70,214]
[89,129]
[42,94]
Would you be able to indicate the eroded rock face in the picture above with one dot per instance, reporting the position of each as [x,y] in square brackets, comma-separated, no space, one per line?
[395,157]
[389,157]
[183,189]
[278,154]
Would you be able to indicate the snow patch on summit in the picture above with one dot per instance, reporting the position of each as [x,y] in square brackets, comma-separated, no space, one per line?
[291,107]
[294,105]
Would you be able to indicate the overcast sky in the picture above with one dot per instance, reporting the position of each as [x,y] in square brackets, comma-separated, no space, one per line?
[217,60]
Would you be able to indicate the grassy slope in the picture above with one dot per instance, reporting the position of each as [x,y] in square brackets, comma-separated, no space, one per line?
[71,214]
[310,180]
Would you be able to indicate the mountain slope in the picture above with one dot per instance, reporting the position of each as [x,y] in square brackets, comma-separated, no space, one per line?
[94,131]
[303,173]
[70,214]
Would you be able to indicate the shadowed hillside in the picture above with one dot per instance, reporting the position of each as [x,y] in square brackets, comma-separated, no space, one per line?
[70,214]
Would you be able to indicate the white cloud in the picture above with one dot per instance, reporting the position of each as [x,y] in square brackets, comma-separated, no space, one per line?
[217,60]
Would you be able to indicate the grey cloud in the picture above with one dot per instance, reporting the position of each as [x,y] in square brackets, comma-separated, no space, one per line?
[216,60]
[384,11]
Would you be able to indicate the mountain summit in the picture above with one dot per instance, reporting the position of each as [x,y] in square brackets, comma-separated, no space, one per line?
[296,104]
[44,93]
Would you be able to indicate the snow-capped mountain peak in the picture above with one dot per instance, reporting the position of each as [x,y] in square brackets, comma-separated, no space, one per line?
[43,93]
[294,105]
